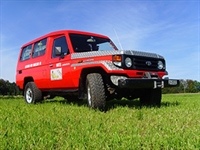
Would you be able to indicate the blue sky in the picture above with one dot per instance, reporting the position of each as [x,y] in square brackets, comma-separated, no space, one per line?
[167,27]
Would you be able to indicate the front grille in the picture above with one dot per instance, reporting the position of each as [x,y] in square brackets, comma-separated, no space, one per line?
[145,63]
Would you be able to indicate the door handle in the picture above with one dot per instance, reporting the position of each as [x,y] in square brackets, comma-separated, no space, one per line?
[20,72]
[51,65]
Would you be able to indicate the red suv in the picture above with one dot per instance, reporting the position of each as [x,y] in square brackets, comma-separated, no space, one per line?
[83,65]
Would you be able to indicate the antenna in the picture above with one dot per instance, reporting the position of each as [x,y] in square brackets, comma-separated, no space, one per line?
[118,38]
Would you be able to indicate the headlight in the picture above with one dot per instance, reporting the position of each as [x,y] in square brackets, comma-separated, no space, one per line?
[128,62]
[160,65]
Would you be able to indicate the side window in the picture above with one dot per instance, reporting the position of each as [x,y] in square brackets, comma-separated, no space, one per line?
[59,47]
[39,48]
[26,53]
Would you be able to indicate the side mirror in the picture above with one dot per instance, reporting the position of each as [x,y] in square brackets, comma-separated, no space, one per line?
[58,51]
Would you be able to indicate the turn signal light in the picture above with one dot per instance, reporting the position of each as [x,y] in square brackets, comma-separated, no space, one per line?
[117,58]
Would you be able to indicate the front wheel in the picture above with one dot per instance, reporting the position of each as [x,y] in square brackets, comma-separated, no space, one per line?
[32,94]
[151,97]
[96,96]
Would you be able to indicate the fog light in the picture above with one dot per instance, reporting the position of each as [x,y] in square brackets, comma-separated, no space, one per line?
[115,79]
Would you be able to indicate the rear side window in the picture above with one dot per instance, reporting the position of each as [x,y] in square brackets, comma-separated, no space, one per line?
[39,48]
[26,53]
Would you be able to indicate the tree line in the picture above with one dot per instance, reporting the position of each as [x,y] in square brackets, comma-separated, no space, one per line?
[8,88]
[186,86]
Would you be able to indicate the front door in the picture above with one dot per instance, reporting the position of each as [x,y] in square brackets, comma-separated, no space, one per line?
[59,66]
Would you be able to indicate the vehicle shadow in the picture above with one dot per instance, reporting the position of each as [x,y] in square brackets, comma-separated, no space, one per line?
[123,103]
[113,104]
[65,102]
[136,104]
[170,104]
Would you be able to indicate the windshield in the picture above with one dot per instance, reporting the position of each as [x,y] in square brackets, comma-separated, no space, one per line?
[84,43]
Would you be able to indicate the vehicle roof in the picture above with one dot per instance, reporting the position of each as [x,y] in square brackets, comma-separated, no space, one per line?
[59,32]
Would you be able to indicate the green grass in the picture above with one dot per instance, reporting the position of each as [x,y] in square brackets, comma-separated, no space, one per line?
[58,125]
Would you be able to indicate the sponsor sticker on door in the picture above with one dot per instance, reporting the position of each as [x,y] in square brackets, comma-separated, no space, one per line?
[56,74]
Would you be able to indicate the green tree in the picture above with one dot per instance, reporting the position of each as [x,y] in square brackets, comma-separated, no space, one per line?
[191,87]
[3,87]
[7,88]
[197,85]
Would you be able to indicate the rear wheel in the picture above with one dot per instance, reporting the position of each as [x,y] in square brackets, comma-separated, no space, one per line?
[151,97]
[96,96]
[32,94]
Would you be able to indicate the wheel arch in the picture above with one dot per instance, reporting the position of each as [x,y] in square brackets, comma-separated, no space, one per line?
[83,75]
[26,80]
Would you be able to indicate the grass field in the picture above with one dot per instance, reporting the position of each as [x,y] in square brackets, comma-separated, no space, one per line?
[58,125]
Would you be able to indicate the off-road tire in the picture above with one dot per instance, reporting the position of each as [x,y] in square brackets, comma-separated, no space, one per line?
[32,94]
[151,97]
[96,96]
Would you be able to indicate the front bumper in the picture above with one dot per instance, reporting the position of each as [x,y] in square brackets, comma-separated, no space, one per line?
[147,83]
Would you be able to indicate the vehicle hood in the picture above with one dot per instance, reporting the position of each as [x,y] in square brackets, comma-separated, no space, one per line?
[117,52]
